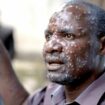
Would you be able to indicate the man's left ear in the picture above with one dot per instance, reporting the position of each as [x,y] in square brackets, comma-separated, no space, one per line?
[102,45]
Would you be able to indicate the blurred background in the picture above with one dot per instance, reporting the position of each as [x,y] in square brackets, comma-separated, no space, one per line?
[22,25]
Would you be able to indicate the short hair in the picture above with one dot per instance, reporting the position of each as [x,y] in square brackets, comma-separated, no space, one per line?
[96,16]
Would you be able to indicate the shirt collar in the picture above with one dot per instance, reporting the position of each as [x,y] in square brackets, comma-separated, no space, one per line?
[90,96]
[93,93]
[57,95]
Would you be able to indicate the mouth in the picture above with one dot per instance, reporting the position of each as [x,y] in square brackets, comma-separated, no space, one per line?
[54,65]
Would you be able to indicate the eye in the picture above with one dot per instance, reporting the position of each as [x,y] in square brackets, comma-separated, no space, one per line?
[48,36]
[69,36]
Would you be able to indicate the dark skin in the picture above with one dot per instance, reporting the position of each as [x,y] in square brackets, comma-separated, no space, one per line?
[71,52]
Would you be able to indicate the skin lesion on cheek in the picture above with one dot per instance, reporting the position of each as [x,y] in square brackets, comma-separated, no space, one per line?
[78,53]
[81,62]
[71,47]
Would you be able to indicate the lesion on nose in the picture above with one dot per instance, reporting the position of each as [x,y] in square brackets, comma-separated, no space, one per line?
[53,46]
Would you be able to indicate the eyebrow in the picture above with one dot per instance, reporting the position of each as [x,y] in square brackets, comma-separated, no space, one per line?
[64,30]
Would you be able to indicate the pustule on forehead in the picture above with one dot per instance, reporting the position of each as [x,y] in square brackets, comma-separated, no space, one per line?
[72,17]
[76,9]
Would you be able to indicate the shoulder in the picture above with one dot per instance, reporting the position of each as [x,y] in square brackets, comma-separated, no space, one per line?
[36,97]
[39,96]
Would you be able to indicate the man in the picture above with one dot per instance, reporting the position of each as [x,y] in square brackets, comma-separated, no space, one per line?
[74,54]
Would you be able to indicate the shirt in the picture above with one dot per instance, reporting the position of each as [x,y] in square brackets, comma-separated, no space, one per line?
[1,101]
[54,94]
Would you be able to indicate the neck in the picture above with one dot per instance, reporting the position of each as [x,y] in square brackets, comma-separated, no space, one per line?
[72,92]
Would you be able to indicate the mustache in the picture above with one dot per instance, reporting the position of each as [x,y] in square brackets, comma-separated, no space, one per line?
[60,58]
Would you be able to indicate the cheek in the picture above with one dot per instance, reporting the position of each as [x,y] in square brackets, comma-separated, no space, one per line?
[77,55]
[82,61]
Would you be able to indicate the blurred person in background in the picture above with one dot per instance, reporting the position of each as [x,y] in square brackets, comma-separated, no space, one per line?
[6,36]
[74,54]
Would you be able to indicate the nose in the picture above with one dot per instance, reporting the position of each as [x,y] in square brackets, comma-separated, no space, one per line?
[54,45]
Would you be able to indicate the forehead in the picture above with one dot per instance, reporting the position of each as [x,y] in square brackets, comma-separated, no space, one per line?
[71,17]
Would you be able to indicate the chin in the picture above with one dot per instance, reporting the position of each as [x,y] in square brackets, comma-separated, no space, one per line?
[67,79]
[61,78]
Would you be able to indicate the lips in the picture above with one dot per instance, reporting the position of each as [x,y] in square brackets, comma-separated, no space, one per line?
[54,64]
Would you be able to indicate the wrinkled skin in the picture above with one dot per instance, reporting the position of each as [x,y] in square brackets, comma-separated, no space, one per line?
[71,49]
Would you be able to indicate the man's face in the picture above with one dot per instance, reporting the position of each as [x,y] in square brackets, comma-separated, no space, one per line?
[69,50]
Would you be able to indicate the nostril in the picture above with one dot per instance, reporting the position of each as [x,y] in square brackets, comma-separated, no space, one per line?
[57,47]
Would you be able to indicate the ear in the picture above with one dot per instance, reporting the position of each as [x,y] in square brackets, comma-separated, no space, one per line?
[102,45]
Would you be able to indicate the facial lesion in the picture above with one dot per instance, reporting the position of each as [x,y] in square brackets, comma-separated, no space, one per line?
[66,34]
[65,28]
